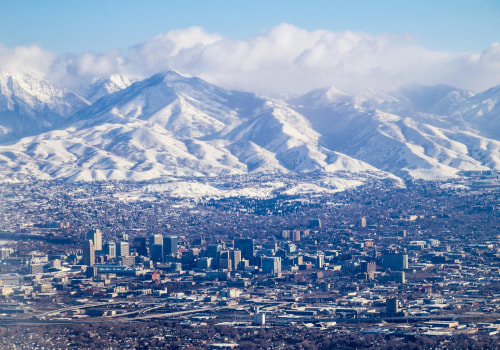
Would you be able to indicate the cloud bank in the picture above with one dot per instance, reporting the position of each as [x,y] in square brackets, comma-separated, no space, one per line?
[283,60]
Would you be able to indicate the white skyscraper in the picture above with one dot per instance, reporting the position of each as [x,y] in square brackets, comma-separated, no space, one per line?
[110,249]
[96,236]
[122,249]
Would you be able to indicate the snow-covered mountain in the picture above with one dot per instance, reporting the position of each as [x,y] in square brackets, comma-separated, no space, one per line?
[415,132]
[174,125]
[482,112]
[101,87]
[30,105]
[171,125]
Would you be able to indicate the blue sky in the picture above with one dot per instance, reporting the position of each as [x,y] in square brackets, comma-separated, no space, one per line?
[96,26]
[270,47]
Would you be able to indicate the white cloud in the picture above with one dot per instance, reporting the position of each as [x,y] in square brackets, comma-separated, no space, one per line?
[72,70]
[285,59]
[26,59]
[176,49]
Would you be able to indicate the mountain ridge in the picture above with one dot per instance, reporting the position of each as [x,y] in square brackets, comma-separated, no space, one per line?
[29,105]
[174,125]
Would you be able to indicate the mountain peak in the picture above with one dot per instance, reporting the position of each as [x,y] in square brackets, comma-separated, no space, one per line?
[104,86]
[30,105]
[173,74]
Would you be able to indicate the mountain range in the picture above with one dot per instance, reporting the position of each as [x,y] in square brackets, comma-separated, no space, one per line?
[125,128]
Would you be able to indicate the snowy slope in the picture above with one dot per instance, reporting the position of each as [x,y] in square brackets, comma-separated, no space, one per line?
[429,139]
[29,105]
[170,125]
[189,107]
[482,112]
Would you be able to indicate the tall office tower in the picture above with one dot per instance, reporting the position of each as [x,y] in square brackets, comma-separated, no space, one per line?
[96,236]
[225,264]
[223,254]
[110,249]
[156,252]
[156,247]
[246,246]
[296,235]
[204,263]
[139,244]
[35,268]
[235,256]
[170,246]
[363,222]
[223,260]
[213,250]
[88,257]
[91,271]
[395,261]
[320,261]
[122,249]
[155,239]
[392,305]
[271,264]
[259,319]
[188,259]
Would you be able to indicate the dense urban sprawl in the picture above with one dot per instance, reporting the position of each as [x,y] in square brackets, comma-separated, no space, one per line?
[108,265]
